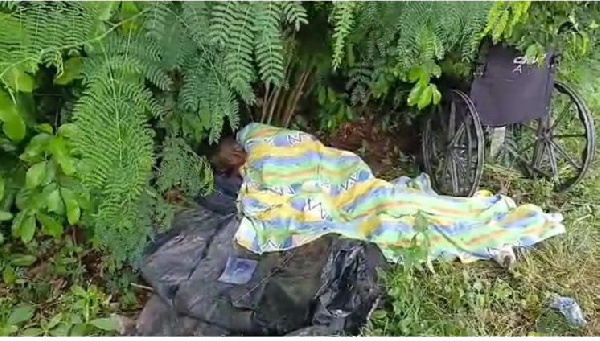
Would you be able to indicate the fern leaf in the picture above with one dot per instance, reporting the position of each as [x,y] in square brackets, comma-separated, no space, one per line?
[294,13]
[206,97]
[269,46]
[115,143]
[343,18]
[181,168]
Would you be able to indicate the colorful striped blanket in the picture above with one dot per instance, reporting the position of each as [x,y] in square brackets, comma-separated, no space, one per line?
[296,190]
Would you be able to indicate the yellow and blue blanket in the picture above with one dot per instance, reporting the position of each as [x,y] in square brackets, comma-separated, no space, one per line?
[296,190]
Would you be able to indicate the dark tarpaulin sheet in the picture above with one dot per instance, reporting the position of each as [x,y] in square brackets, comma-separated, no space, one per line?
[205,284]
[510,90]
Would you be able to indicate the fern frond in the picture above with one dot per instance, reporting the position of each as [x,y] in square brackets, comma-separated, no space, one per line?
[206,98]
[116,146]
[269,46]
[239,52]
[166,32]
[221,22]
[139,50]
[294,13]
[181,168]
[343,19]
[34,33]
[359,79]
[126,239]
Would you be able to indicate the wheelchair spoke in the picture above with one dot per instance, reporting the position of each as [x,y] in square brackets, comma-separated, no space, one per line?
[569,136]
[451,121]
[552,159]
[459,132]
[453,175]
[469,141]
[531,166]
[461,167]
[520,151]
[439,118]
[565,155]
[562,115]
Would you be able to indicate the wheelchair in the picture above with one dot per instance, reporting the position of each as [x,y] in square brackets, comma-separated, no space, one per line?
[515,113]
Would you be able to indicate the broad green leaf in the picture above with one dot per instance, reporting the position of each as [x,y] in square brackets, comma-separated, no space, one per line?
[17,221]
[66,130]
[436,95]
[13,124]
[54,321]
[44,128]
[32,332]
[71,71]
[26,107]
[22,260]
[415,94]
[58,148]
[61,330]
[51,226]
[30,199]
[84,200]
[19,80]
[35,175]
[425,98]
[27,229]
[21,313]
[50,174]
[1,238]
[78,330]
[8,330]
[415,74]
[34,151]
[107,9]
[73,211]
[128,10]
[104,324]
[5,216]
[9,276]
[55,202]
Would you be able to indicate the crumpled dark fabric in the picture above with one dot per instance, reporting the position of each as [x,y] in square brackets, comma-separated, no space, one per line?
[222,199]
[327,287]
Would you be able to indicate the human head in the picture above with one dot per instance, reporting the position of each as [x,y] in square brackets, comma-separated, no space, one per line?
[228,157]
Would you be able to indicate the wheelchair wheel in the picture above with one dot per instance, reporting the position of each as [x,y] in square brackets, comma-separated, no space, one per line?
[453,145]
[558,147]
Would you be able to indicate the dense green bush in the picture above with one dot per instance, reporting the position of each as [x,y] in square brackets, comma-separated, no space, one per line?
[103,104]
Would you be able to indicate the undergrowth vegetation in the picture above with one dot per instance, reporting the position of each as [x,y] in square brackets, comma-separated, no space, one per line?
[105,108]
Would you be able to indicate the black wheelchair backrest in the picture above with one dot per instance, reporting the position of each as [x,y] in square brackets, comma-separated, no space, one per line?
[510,89]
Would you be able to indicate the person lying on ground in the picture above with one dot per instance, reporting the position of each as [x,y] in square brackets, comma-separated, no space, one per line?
[295,190]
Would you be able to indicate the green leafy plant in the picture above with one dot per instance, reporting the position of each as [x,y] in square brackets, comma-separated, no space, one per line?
[17,316]
[404,42]
[51,197]
[80,318]
[567,28]
[148,82]
[333,109]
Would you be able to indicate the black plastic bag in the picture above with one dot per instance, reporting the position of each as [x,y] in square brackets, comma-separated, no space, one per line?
[206,284]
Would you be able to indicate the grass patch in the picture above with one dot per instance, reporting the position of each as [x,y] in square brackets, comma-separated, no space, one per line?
[484,299]
[55,289]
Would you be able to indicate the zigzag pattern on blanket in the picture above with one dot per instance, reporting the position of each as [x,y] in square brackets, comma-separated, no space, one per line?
[296,190]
